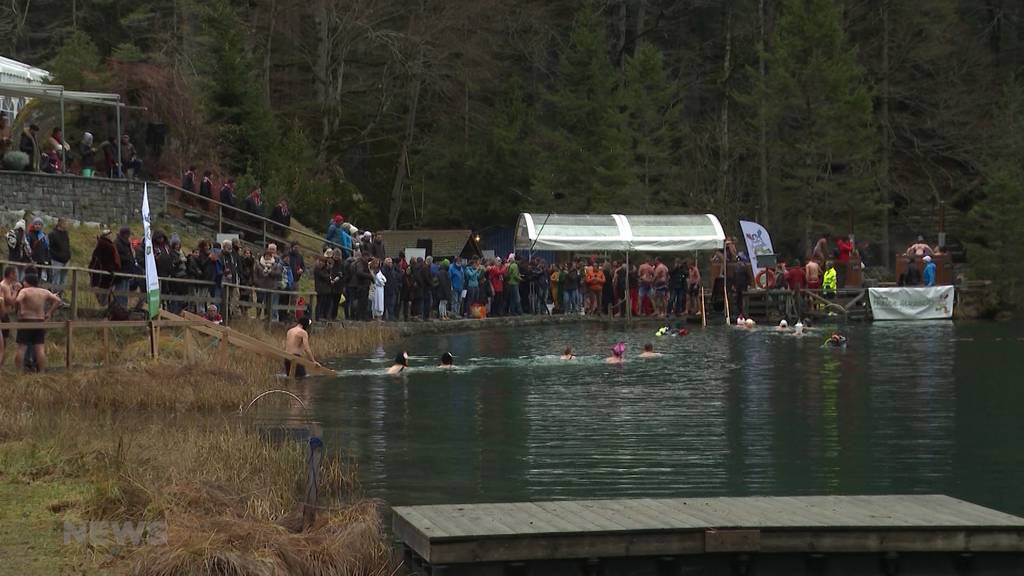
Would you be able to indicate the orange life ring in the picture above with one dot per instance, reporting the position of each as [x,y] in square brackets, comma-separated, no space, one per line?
[765,279]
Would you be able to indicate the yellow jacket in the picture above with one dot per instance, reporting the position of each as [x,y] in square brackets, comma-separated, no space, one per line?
[828,282]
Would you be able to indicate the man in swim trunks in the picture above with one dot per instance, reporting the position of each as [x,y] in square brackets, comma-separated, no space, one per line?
[9,288]
[297,343]
[646,272]
[660,288]
[34,304]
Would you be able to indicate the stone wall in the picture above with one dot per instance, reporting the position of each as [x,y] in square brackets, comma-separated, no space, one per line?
[99,200]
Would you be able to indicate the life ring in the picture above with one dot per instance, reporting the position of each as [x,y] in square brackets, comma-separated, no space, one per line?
[765,279]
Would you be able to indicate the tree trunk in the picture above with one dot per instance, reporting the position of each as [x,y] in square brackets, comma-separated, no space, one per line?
[762,145]
[641,15]
[622,34]
[886,138]
[402,166]
[723,143]
[267,50]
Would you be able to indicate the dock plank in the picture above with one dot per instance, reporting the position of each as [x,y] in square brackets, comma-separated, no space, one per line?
[664,526]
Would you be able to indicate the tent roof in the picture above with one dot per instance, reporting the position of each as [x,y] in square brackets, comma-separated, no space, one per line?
[21,72]
[648,233]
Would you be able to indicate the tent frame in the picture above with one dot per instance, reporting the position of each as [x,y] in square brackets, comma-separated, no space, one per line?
[625,241]
[57,93]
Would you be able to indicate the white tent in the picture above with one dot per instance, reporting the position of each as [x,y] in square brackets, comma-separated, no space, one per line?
[14,71]
[620,233]
[581,232]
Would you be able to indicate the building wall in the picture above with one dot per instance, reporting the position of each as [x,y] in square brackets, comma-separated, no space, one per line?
[99,200]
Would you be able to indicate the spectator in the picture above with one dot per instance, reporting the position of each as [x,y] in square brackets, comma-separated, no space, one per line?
[230,262]
[213,315]
[296,262]
[105,257]
[18,248]
[110,166]
[227,194]
[322,277]
[392,289]
[206,189]
[335,232]
[282,216]
[56,150]
[338,281]
[377,246]
[40,245]
[929,271]
[131,164]
[920,249]
[30,146]
[268,274]
[253,204]
[796,276]
[821,252]
[87,155]
[188,181]
[60,255]
[6,139]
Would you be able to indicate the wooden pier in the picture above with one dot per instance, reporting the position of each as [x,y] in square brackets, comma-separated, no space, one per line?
[888,535]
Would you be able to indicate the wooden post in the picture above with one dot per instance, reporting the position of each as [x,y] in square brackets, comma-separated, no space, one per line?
[703,310]
[316,450]
[67,346]
[264,233]
[152,341]
[106,346]
[74,294]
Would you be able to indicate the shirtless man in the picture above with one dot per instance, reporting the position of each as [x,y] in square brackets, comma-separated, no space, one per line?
[660,288]
[649,351]
[400,364]
[646,273]
[297,342]
[34,304]
[9,288]
[813,270]
[618,354]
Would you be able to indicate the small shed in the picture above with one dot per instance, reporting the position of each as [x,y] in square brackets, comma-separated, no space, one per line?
[437,243]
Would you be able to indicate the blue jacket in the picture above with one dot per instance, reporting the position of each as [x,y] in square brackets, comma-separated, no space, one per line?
[472,278]
[929,274]
[337,235]
[457,274]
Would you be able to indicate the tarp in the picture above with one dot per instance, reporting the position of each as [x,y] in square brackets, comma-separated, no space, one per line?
[617,232]
[908,303]
[56,93]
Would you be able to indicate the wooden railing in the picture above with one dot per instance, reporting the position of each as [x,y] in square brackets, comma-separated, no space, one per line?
[241,219]
[85,301]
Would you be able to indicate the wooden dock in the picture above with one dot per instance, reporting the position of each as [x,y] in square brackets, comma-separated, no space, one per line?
[919,534]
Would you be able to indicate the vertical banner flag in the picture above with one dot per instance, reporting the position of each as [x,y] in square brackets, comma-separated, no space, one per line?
[758,243]
[152,281]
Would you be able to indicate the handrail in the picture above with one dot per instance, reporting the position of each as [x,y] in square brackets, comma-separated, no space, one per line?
[247,214]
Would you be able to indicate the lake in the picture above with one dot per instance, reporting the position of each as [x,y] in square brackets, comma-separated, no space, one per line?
[905,408]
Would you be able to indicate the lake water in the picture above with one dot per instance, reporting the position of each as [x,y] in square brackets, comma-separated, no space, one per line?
[906,408]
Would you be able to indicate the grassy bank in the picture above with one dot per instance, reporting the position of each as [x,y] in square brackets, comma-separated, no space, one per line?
[165,442]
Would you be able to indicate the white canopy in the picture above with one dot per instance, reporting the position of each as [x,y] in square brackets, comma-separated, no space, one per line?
[649,233]
[56,93]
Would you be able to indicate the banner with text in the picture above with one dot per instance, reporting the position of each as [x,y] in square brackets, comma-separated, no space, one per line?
[758,243]
[929,303]
[152,281]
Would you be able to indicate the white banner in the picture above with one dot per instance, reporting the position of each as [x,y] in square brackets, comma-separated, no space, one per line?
[152,280]
[928,303]
[758,242]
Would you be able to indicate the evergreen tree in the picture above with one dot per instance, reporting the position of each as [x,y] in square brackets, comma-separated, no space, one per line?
[584,146]
[241,120]
[995,219]
[820,115]
[77,60]
[652,121]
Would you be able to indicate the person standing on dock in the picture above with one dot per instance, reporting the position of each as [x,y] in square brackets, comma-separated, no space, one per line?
[929,271]
[829,283]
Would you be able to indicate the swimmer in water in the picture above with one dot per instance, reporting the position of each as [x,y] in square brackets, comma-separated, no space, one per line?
[836,340]
[567,354]
[798,329]
[618,354]
[649,351]
[447,361]
[401,363]
[749,323]
[783,325]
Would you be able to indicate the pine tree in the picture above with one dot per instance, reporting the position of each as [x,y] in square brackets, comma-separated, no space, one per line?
[584,146]
[819,112]
[652,122]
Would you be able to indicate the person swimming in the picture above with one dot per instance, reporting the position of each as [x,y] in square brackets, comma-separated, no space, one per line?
[836,340]
[447,361]
[401,363]
[783,325]
[798,329]
[749,323]
[649,351]
[567,354]
[618,354]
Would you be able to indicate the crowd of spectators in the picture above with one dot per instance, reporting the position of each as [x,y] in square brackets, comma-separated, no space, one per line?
[52,154]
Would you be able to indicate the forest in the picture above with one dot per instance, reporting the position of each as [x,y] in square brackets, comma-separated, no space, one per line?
[873,117]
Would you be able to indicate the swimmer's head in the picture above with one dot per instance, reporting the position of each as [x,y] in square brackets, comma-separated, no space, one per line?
[567,351]
[619,349]
[799,328]
[648,347]
[447,359]
[683,332]
[305,322]
[749,323]
[402,359]
[783,323]
[739,320]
